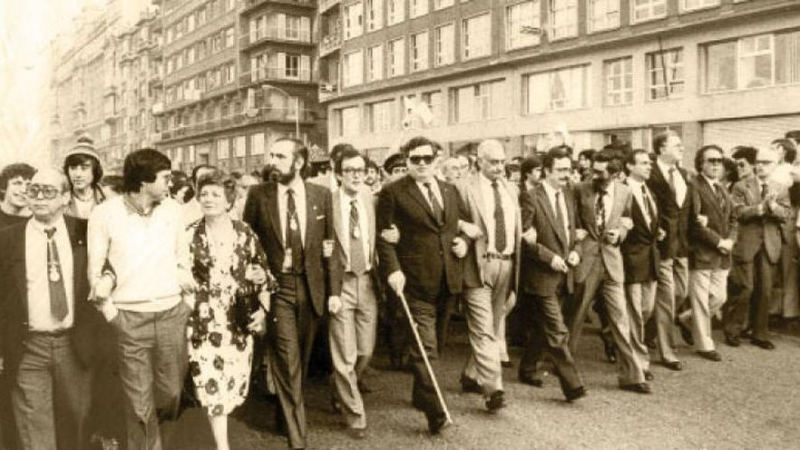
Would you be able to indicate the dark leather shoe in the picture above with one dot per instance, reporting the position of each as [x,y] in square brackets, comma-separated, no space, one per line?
[470,386]
[357,433]
[748,333]
[496,401]
[507,364]
[437,423]
[651,344]
[575,393]
[529,379]
[686,333]
[711,355]
[732,340]
[639,388]
[611,351]
[676,366]
[649,375]
[365,388]
[765,344]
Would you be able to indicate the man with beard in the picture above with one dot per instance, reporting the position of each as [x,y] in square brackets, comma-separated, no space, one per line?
[82,166]
[292,218]
[14,181]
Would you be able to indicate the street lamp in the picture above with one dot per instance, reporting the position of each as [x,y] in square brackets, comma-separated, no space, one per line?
[297,108]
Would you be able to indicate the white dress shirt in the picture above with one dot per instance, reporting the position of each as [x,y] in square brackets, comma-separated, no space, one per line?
[636,189]
[346,207]
[37,274]
[562,203]
[680,183]
[299,188]
[509,214]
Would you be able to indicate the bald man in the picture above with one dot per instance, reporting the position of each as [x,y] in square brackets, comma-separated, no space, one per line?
[490,269]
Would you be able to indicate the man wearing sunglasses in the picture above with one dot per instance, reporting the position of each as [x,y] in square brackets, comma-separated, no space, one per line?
[425,264]
[47,326]
[761,207]
[713,230]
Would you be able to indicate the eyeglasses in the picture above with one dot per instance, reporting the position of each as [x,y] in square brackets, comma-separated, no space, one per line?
[714,160]
[354,171]
[416,160]
[48,192]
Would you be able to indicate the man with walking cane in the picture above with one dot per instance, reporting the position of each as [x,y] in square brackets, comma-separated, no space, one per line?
[425,266]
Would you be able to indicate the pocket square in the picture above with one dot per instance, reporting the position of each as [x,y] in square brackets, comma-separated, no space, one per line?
[321,217]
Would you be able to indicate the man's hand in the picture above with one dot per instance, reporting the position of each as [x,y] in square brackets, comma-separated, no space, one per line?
[327,248]
[258,322]
[558,264]
[530,236]
[397,281]
[580,234]
[265,298]
[661,235]
[470,229]
[255,274]
[459,247]
[511,301]
[612,236]
[725,246]
[391,235]
[761,209]
[102,290]
[702,220]
[573,258]
[334,304]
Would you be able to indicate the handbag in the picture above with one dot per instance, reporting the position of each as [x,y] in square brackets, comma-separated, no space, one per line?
[244,305]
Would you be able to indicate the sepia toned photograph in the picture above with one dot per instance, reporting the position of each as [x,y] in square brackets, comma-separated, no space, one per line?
[399,224]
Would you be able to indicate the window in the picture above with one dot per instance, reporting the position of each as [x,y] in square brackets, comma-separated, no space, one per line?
[478,102]
[560,89]
[602,15]
[434,102]
[353,69]
[223,149]
[419,51]
[445,45]
[720,67]
[349,122]
[787,58]
[229,38]
[353,20]
[374,12]
[375,63]
[644,10]
[619,81]
[665,74]
[290,25]
[380,116]
[522,20]
[257,144]
[418,8]
[396,11]
[441,4]
[563,18]
[240,146]
[476,36]
[755,61]
[396,55]
[291,66]
[691,5]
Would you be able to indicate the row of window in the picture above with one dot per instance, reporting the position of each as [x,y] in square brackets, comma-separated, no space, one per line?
[225,148]
[280,26]
[197,18]
[280,65]
[199,50]
[192,88]
[744,63]
[523,20]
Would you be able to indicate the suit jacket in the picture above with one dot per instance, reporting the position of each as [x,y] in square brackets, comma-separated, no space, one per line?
[704,254]
[595,246]
[14,329]
[536,275]
[674,219]
[341,249]
[261,213]
[479,214]
[640,250]
[424,253]
[755,230]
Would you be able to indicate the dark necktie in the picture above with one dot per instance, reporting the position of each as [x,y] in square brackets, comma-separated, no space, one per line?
[58,294]
[438,212]
[648,206]
[294,242]
[720,194]
[499,220]
[672,183]
[764,191]
[358,263]
[600,210]
[560,216]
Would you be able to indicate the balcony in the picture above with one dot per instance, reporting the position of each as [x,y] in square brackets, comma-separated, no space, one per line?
[328,91]
[282,35]
[330,44]
[267,74]
[158,108]
[325,5]
[250,5]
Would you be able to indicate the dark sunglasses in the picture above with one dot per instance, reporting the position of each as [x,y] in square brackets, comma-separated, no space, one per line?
[416,160]
[48,192]
[714,160]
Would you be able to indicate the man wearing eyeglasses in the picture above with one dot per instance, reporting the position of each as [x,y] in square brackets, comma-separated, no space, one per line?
[47,326]
[425,264]
[713,230]
[761,207]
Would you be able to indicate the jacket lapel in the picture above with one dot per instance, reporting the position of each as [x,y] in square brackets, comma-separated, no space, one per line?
[367,197]
[18,263]
[274,211]
[341,234]
[311,215]
[477,197]
[550,212]
[414,191]
[617,206]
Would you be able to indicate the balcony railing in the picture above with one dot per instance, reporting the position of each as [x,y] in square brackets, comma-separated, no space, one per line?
[275,73]
[325,5]
[276,34]
[257,115]
[252,4]
[330,43]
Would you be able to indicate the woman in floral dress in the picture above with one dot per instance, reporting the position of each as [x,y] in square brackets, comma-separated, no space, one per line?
[230,268]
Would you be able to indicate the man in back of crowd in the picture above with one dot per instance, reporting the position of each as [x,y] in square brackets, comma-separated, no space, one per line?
[14,180]
[395,167]
[83,169]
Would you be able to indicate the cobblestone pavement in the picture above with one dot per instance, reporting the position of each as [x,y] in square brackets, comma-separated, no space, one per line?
[747,401]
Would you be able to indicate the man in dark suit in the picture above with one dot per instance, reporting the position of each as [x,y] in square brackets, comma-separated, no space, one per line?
[603,217]
[292,218]
[713,230]
[671,190]
[425,265]
[640,254]
[546,277]
[761,206]
[47,325]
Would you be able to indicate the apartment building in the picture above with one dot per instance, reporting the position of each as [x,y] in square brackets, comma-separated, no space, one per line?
[524,71]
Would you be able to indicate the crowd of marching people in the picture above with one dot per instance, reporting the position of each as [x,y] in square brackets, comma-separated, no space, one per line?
[148,287]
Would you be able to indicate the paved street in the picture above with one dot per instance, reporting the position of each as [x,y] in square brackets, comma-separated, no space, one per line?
[748,401]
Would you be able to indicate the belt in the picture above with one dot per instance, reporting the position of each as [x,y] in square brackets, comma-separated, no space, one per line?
[491,256]
[53,334]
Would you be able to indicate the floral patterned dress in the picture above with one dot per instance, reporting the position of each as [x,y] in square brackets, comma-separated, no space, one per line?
[220,352]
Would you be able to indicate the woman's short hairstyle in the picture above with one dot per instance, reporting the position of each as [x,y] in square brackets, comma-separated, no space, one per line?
[789,149]
[221,179]
[12,171]
[142,166]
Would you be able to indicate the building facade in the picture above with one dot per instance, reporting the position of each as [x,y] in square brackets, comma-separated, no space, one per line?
[531,71]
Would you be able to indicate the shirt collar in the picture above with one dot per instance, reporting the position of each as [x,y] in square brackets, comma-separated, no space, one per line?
[549,189]
[296,185]
[665,168]
[635,184]
[59,225]
[712,182]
